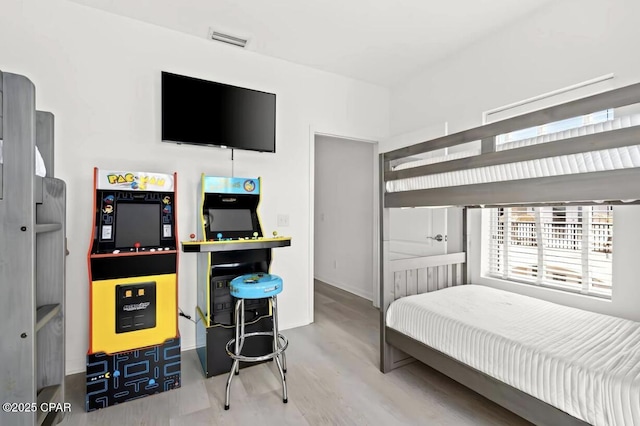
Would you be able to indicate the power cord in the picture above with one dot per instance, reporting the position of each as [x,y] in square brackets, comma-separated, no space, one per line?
[182,314]
[246,323]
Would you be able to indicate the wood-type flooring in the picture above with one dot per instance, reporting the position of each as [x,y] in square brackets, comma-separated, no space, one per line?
[333,379]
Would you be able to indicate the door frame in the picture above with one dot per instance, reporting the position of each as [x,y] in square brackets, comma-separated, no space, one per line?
[313,132]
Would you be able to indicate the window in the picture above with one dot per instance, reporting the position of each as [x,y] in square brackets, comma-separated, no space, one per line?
[558,126]
[564,247]
[568,248]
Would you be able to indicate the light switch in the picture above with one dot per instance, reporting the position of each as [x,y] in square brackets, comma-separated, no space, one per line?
[283,220]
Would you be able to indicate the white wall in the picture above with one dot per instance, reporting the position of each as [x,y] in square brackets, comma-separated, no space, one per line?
[564,43]
[100,75]
[344,214]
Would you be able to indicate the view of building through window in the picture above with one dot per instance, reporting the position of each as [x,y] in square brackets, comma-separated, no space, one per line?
[564,247]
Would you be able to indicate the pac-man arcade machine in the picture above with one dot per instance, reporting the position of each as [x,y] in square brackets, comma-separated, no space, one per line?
[229,243]
[134,342]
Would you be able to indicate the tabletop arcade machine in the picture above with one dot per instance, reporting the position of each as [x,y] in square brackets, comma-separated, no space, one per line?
[229,243]
[134,342]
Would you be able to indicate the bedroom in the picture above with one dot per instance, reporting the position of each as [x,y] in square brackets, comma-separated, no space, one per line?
[99,74]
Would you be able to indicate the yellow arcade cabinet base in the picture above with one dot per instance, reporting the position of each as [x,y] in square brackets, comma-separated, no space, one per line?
[134,312]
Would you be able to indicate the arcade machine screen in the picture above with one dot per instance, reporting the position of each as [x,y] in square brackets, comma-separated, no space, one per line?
[137,223]
[221,220]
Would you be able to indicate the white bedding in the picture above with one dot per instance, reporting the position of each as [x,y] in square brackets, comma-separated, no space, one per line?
[583,363]
[608,159]
[41,170]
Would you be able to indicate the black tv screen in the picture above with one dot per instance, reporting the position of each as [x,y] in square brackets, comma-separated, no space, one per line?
[137,223]
[204,112]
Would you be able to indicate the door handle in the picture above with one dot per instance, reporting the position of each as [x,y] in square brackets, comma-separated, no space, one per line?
[439,238]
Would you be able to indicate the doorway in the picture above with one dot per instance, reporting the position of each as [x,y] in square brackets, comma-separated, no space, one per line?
[345,225]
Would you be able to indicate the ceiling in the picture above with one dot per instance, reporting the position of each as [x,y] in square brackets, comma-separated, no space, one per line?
[378,41]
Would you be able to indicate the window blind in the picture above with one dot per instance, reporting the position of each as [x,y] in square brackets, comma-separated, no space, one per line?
[569,248]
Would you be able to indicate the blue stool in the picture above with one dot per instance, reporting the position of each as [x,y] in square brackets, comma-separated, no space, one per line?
[256,286]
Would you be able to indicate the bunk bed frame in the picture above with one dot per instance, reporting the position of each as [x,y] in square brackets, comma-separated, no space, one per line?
[32,261]
[404,277]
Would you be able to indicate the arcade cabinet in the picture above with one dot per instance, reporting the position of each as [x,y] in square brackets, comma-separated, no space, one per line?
[134,342]
[229,243]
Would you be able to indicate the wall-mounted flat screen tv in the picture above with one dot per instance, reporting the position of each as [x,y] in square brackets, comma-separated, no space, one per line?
[204,112]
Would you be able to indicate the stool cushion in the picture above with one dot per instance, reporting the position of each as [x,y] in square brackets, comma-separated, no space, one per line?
[256,286]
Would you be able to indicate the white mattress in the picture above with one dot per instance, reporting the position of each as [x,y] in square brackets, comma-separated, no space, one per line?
[583,363]
[609,159]
[41,170]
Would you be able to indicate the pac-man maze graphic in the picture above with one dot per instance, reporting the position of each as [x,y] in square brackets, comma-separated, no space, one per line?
[117,378]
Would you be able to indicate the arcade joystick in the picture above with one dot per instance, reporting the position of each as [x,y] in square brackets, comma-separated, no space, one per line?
[219,236]
[137,246]
[192,237]
[275,234]
[255,235]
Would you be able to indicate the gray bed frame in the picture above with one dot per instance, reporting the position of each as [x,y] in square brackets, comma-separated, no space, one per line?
[32,260]
[399,278]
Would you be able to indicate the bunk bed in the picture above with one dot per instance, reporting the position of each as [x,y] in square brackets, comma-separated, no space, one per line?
[466,331]
[32,261]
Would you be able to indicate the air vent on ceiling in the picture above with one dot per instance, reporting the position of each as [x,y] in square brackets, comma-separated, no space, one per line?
[226,38]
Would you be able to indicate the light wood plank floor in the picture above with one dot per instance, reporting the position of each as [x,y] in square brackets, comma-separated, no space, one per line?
[333,379]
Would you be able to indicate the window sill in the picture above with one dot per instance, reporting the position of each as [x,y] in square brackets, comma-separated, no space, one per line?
[557,295]
[559,287]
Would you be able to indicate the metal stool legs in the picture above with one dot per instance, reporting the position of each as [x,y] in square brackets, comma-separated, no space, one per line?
[277,341]
[277,350]
[280,343]
[235,367]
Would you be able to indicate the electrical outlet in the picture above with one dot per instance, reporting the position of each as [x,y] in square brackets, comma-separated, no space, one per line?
[283,220]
